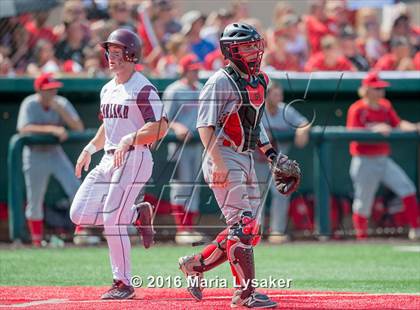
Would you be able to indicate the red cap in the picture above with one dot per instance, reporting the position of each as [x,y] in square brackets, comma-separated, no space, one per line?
[372,80]
[46,81]
[188,63]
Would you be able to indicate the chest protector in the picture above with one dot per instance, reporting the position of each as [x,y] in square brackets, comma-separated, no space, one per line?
[242,127]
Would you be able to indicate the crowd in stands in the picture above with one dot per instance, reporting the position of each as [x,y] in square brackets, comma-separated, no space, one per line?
[328,36]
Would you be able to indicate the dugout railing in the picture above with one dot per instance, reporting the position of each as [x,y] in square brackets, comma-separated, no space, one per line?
[323,139]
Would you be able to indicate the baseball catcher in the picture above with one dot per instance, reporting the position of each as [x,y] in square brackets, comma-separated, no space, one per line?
[229,123]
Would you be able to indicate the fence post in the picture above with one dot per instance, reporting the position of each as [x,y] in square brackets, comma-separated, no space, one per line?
[17,228]
[322,168]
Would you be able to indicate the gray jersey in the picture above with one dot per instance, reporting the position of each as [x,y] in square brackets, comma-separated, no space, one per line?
[218,99]
[181,103]
[285,118]
[41,161]
[31,112]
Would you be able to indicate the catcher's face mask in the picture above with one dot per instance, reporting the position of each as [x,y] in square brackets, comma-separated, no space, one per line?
[248,55]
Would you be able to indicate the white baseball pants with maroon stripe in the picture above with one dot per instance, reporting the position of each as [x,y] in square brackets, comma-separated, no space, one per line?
[106,197]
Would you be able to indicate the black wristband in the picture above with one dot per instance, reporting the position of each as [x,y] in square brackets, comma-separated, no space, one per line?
[270,154]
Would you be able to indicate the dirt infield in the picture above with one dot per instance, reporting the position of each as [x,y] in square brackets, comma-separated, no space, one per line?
[79,298]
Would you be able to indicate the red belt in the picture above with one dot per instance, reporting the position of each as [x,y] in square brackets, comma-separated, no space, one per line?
[112,151]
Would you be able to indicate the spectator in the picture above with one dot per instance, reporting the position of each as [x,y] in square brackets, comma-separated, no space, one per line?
[240,9]
[296,43]
[6,67]
[215,25]
[371,164]
[93,63]
[46,113]
[402,28]
[119,13]
[176,48]
[417,61]
[215,60]
[282,8]
[331,58]
[44,59]
[192,23]
[71,48]
[181,102]
[399,58]
[351,51]
[156,25]
[279,117]
[20,55]
[369,40]
[337,12]
[318,25]
[73,11]
[277,58]
[38,29]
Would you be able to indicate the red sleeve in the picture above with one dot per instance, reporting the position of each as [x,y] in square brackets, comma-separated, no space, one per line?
[384,63]
[393,116]
[347,65]
[417,61]
[353,119]
[312,64]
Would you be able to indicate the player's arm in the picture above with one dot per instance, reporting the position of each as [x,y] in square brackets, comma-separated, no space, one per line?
[409,126]
[151,132]
[220,171]
[74,123]
[265,145]
[57,131]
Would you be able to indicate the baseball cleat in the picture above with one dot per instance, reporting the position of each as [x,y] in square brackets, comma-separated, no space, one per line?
[119,290]
[144,223]
[188,237]
[414,234]
[255,300]
[186,264]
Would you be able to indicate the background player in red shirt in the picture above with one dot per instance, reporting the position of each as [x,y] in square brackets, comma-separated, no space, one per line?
[371,164]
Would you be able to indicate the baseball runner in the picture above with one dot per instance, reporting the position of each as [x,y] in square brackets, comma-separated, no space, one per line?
[371,164]
[132,120]
[229,124]
[45,112]
[279,117]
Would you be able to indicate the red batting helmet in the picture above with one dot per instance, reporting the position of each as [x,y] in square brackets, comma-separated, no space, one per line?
[128,40]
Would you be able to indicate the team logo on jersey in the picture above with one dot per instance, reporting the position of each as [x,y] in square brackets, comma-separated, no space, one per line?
[256,95]
[111,110]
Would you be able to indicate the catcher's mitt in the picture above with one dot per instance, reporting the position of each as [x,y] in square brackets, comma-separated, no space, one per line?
[286,174]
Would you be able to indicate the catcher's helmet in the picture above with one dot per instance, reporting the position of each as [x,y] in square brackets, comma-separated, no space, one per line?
[128,40]
[242,34]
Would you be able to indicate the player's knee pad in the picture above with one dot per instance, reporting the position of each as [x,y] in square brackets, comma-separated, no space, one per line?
[247,230]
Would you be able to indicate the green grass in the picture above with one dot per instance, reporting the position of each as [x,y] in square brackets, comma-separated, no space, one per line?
[377,268]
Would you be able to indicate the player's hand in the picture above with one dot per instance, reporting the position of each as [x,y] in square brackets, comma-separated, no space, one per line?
[219,176]
[60,133]
[182,132]
[301,137]
[82,162]
[382,128]
[119,154]
[122,149]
